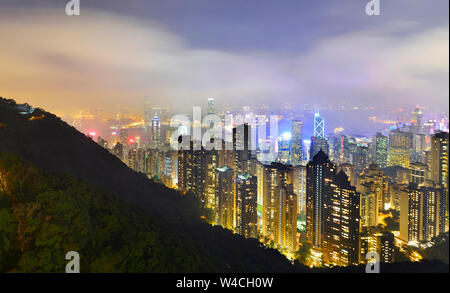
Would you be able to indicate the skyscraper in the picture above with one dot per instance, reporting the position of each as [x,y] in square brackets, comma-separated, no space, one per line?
[211,107]
[422,213]
[284,148]
[296,143]
[279,205]
[374,189]
[439,158]
[400,148]
[332,213]
[246,205]
[225,209]
[156,132]
[319,126]
[379,149]
[318,144]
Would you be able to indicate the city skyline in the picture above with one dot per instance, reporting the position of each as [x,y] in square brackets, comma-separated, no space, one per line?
[224,136]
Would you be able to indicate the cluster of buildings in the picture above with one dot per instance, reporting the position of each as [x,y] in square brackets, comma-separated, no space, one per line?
[333,193]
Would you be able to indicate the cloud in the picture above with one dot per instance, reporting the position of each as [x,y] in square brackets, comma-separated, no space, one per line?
[104,60]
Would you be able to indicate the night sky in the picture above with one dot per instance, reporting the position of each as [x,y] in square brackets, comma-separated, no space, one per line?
[181,52]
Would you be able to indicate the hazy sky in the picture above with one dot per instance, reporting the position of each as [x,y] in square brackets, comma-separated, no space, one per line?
[180,52]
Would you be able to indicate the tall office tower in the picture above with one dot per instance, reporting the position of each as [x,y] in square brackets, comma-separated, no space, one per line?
[211,107]
[123,136]
[148,115]
[319,126]
[225,211]
[242,146]
[296,143]
[332,213]
[307,150]
[359,162]
[118,151]
[318,144]
[375,197]
[276,185]
[156,132]
[400,148]
[132,159]
[422,213]
[300,190]
[439,159]
[284,148]
[319,173]
[383,243]
[246,205]
[211,163]
[341,223]
[417,118]
[379,150]
[418,173]
[140,160]
[439,167]
[349,170]
[227,157]
[285,208]
[184,155]
[155,163]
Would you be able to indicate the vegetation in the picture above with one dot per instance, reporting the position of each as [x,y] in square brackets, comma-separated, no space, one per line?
[303,253]
[439,250]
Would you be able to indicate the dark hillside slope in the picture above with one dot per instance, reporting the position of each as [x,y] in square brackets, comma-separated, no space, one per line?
[55,147]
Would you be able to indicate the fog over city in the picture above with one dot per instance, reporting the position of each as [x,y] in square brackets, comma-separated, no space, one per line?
[298,52]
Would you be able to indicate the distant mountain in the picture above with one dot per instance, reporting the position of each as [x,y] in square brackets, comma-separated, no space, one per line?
[61,191]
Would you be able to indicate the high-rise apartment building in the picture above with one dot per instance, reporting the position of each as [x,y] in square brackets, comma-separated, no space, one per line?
[332,213]
[296,143]
[225,204]
[246,205]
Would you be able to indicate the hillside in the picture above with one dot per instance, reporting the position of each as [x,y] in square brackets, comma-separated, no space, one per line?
[77,168]
[60,191]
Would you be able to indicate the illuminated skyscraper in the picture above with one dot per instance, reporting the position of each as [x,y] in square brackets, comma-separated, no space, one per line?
[246,205]
[332,213]
[284,148]
[225,198]
[319,126]
[422,213]
[156,132]
[417,118]
[296,143]
[279,213]
[374,189]
[318,144]
[300,190]
[439,167]
[379,149]
[211,107]
[439,158]
[400,148]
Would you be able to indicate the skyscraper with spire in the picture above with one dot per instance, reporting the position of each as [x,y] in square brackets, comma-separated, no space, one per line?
[318,141]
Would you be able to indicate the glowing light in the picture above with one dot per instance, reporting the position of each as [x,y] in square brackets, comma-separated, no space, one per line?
[286,136]
[92,133]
